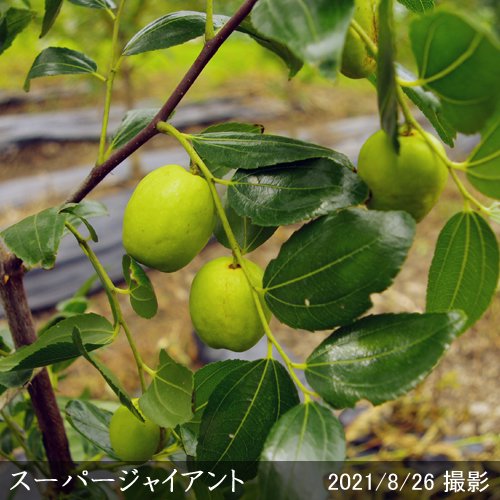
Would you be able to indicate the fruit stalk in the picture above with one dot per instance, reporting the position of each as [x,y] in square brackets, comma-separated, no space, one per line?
[272,340]
[410,119]
[113,69]
[111,290]
[168,129]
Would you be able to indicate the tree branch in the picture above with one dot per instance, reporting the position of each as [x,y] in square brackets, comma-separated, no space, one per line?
[99,172]
[23,332]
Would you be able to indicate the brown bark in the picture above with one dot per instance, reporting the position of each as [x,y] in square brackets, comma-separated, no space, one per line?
[42,395]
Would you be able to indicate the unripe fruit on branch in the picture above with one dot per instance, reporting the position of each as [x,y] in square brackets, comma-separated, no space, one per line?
[357,62]
[411,181]
[131,439]
[222,307]
[169,218]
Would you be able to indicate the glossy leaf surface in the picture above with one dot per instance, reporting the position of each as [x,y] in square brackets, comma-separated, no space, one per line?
[378,358]
[483,170]
[59,61]
[239,415]
[298,452]
[454,60]
[465,267]
[295,192]
[56,343]
[325,273]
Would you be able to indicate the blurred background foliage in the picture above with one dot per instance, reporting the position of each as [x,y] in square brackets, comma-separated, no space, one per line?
[153,75]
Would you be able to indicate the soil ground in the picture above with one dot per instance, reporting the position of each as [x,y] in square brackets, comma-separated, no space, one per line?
[454,412]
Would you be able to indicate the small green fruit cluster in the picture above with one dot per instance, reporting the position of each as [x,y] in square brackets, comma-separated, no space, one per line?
[222,305]
[168,219]
[412,180]
[131,439]
[357,62]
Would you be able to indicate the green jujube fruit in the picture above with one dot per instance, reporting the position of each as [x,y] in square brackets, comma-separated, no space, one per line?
[356,60]
[222,307]
[411,180]
[131,439]
[168,219]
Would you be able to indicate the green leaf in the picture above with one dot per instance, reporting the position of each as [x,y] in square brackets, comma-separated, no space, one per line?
[295,192]
[167,31]
[250,128]
[239,415]
[386,73]
[74,305]
[56,344]
[378,358]
[249,236]
[168,399]
[6,440]
[106,373]
[80,212]
[244,150]
[36,238]
[298,452]
[133,122]
[12,22]
[314,30]
[10,380]
[428,103]
[142,295]
[91,422]
[418,5]
[85,209]
[35,444]
[206,379]
[464,271]
[293,62]
[454,61]
[431,107]
[59,61]
[77,304]
[483,168]
[52,9]
[232,127]
[301,433]
[95,4]
[6,343]
[325,273]
[179,27]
